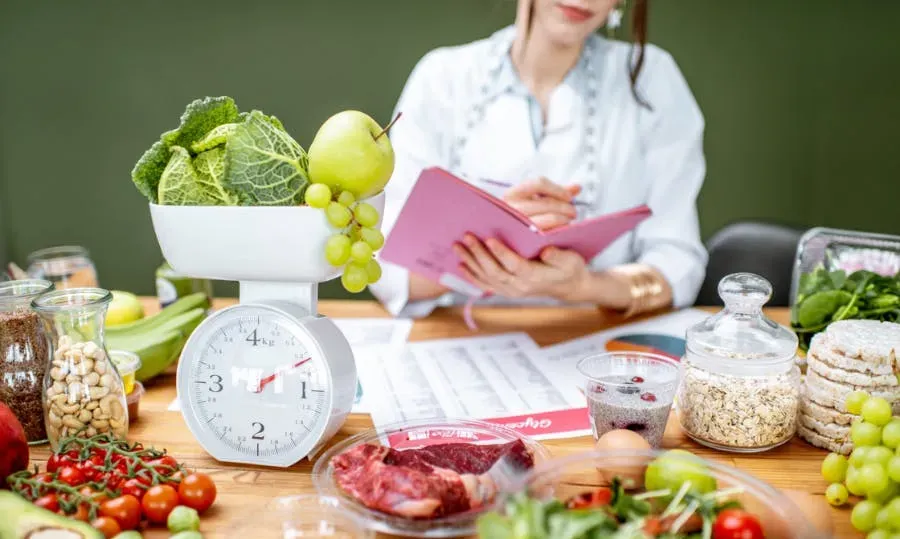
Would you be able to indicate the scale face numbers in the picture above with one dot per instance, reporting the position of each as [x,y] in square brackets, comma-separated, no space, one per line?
[253,387]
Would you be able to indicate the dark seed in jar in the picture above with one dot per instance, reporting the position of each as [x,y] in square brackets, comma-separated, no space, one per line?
[23,362]
[629,390]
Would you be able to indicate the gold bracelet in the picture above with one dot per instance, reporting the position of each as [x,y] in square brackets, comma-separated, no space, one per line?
[647,288]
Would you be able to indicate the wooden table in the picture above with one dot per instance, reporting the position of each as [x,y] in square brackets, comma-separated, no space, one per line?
[242,489]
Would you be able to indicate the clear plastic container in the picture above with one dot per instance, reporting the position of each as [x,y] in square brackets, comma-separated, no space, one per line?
[300,517]
[134,402]
[414,435]
[629,390]
[83,393]
[740,385]
[822,251]
[24,355]
[127,363]
[570,476]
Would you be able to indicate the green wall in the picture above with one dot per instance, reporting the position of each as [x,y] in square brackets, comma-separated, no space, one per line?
[801,101]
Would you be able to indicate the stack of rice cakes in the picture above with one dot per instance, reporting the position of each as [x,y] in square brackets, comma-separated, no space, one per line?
[849,355]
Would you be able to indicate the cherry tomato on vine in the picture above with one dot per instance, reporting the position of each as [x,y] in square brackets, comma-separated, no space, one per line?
[107,526]
[57,461]
[136,486]
[158,502]
[737,524]
[197,491]
[81,513]
[98,497]
[112,480]
[125,509]
[71,476]
[164,465]
[92,468]
[44,477]
[50,502]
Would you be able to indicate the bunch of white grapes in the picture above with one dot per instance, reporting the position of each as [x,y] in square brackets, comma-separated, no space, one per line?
[873,469]
[355,245]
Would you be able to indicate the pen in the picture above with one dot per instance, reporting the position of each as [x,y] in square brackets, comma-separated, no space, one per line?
[575,202]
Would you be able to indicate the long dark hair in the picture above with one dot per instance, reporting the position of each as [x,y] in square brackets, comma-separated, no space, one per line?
[638,40]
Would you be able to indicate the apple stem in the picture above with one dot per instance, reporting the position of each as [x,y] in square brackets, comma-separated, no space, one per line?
[388,126]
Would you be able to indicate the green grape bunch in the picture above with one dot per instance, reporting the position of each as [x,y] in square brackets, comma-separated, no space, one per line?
[872,471]
[354,246]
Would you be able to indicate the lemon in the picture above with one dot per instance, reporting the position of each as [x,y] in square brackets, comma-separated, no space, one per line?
[125,307]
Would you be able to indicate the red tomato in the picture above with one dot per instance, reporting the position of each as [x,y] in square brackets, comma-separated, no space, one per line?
[49,502]
[91,470]
[82,513]
[596,498]
[44,477]
[158,502]
[165,464]
[57,461]
[125,509]
[136,486]
[197,491]
[53,463]
[737,524]
[107,526]
[112,480]
[89,492]
[71,476]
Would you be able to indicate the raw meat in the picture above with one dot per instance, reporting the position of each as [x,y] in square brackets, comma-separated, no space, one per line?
[429,482]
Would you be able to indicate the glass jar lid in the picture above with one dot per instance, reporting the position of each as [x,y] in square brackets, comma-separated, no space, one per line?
[741,332]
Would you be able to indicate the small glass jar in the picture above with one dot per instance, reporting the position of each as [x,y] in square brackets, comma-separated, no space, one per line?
[24,355]
[740,385]
[83,393]
[67,266]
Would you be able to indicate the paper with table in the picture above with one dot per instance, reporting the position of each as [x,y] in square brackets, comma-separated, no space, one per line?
[498,378]
[460,208]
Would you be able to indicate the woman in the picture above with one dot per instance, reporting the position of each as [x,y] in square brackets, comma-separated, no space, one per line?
[578,126]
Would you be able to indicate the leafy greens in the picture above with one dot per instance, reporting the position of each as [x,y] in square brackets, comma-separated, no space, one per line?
[218,156]
[825,296]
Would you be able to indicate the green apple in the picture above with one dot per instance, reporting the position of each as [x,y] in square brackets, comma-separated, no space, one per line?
[125,307]
[351,152]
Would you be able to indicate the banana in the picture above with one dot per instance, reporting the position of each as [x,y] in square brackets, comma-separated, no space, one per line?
[145,325]
[160,344]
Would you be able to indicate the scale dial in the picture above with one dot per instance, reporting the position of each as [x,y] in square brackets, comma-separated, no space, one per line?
[257,383]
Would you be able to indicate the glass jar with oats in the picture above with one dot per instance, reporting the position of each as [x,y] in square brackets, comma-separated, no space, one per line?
[740,385]
[83,392]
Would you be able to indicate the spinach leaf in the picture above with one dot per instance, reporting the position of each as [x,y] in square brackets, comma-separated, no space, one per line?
[818,307]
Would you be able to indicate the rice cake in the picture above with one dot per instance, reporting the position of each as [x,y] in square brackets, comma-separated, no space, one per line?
[825,350]
[823,442]
[832,431]
[871,341]
[851,377]
[833,394]
[818,412]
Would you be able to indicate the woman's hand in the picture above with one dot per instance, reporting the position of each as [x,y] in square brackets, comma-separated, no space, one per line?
[495,268]
[547,204]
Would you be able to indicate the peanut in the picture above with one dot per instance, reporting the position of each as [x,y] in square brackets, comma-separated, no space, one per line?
[91,431]
[100,424]
[91,406]
[85,415]
[68,409]
[54,420]
[58,373]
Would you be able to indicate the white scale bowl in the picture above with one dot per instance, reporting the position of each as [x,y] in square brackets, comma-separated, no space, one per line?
[248,243]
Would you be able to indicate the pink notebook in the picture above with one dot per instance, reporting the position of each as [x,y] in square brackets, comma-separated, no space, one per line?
[442,208]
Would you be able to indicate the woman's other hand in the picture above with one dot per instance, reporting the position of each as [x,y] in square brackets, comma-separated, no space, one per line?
[495,268]
[547,204]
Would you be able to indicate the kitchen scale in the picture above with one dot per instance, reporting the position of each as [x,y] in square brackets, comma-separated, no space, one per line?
[267,381]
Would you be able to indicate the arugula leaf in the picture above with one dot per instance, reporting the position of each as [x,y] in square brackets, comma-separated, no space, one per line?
[576,523]
[265,165]
[494,526]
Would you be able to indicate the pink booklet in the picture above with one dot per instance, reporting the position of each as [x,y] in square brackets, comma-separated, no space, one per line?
[442,208]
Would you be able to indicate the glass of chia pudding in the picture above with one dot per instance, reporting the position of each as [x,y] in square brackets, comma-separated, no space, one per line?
[630,390]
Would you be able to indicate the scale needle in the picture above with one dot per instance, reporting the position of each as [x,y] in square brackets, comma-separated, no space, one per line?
[263,382]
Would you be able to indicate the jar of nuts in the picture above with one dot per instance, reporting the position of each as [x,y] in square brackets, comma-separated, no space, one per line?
[83,392]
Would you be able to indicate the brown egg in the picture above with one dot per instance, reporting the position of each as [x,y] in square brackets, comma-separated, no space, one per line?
[629,470]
